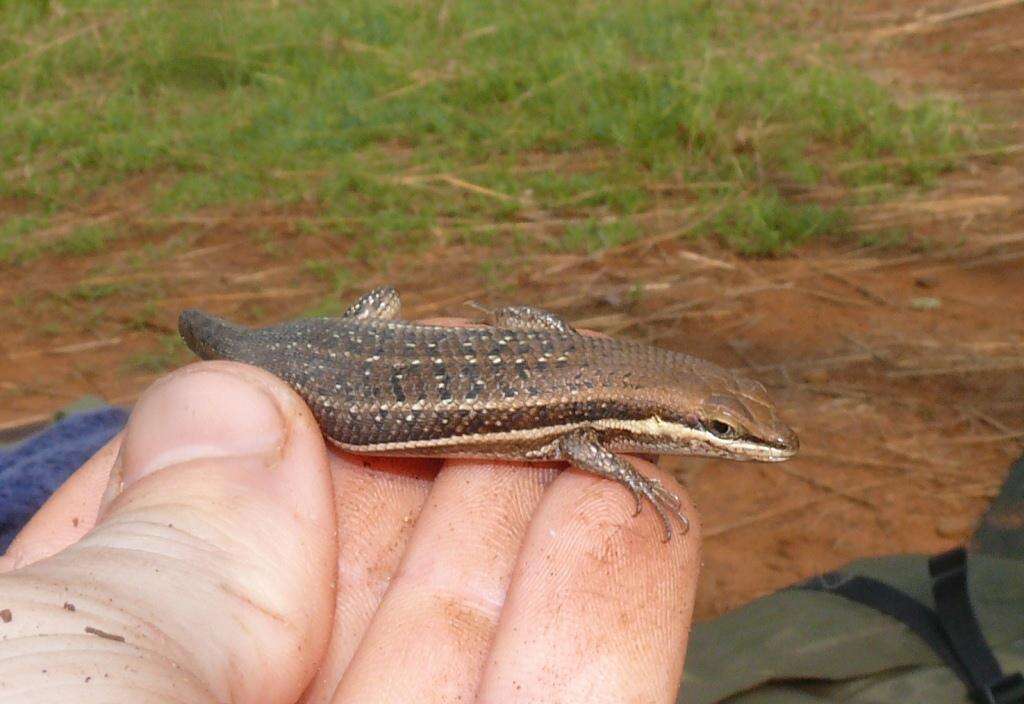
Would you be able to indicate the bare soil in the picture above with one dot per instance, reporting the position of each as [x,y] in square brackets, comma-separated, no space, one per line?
[902,369]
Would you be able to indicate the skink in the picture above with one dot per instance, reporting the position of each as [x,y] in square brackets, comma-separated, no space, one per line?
[528,387]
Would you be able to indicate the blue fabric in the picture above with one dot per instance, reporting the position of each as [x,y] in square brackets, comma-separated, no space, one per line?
[33,469]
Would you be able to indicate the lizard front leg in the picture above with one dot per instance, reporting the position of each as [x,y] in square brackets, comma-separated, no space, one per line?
[584,449]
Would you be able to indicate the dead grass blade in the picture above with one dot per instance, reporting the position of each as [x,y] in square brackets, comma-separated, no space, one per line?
[73,348]
[270,293]
[931,23]
[859,288]
[62,39]
[821,486]
[996,364]
[716,531]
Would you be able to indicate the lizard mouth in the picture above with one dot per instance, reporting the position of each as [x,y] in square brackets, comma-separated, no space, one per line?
[776,452]
[759,450]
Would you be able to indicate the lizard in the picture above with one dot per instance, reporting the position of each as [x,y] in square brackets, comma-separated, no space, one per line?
[526,387]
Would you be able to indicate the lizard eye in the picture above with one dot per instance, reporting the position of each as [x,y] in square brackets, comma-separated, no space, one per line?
[722,429]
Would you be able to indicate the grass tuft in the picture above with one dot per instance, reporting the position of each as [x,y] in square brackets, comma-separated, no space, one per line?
[768,224]
[85,240]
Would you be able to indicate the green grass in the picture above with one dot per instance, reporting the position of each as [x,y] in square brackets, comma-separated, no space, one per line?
[356,108]
[593,235]
[95,292]
[84,240]
[168,353]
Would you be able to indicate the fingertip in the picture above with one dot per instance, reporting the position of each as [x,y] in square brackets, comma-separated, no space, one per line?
[201,411]
[592,574]
[219,410]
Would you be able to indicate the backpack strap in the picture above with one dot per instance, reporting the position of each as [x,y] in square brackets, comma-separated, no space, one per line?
[951,630]
[890,601]
[953,606]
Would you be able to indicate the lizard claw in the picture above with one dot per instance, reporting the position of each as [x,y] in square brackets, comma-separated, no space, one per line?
[585,451]
[665,503]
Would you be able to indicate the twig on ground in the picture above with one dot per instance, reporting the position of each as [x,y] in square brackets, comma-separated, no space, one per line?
[980,439]
[26,421]
[43,48]
[270,293]
[989,420]
[888,160]
[993,259]
[474,188]
[716,531]
[875,264]
[239,219]
[203,251]
[830,297]
[821,486]
[841,360]
[410,87]
[679,310]
[924,465]
[706,261]
[833,391]
[64,228]
[878,356]
[931,23]
[834,458]
[127,278]
[859,288]
[255,276]
[73,348]
[996,364]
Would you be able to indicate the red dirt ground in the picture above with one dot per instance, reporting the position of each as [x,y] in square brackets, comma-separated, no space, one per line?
[902,370]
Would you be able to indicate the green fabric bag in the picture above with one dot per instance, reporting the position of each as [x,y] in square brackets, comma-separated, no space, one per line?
[799,646]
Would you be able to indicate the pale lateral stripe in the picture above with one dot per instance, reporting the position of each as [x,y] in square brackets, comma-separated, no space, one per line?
[649,427]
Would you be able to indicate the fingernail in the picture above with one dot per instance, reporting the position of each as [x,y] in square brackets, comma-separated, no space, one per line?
[199,414]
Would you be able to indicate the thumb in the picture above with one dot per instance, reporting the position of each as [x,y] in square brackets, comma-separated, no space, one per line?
[209,576]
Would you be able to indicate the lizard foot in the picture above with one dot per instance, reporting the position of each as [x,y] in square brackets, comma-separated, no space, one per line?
[664,501]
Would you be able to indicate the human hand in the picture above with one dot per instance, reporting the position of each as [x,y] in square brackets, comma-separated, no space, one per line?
[217,551]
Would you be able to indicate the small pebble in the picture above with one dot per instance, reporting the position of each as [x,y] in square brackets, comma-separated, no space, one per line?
[816,376]
[925,303]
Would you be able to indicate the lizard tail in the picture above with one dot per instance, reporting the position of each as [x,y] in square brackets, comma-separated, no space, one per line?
[210,337]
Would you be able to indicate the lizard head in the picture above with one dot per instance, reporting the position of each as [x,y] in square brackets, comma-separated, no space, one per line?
[716,414]
[743,423]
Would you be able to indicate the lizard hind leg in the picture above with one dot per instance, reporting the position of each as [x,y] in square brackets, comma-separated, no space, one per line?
[584,450]
[382,303]
[529,318]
